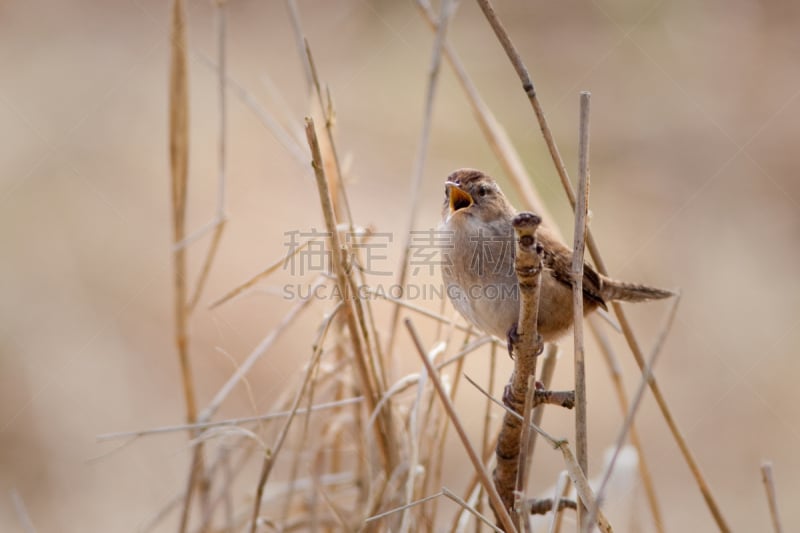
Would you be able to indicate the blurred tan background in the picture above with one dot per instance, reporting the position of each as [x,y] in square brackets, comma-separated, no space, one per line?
[695,124]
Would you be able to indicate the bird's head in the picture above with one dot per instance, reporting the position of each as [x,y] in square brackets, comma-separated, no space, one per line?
[471,193]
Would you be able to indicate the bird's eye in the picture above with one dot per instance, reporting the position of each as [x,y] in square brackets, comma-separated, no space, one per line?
[482,191]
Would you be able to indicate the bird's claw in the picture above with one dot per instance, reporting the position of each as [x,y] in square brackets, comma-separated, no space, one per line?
[512,337]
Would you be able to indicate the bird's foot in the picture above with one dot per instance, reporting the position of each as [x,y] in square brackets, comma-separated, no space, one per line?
[512,337]
[510,401]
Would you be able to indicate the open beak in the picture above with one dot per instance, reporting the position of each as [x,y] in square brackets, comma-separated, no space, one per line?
[459,198]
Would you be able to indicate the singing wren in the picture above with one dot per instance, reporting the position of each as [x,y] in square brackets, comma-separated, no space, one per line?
[478,271]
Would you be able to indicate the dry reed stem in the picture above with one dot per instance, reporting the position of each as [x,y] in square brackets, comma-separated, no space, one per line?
[179,170]
[527,84]
[526,348]
[581,212]
[634,407]
[494,498]
[769,486]
[622,397]
[369,382]
[269,459]
[445,14]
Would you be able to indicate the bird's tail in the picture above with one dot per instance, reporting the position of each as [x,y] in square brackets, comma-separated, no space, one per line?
[613,289]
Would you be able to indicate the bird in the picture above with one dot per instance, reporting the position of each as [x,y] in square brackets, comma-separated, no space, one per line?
[478,265]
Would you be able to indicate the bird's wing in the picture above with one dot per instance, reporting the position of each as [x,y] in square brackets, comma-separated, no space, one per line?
[558,259]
